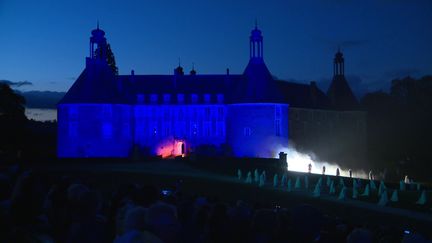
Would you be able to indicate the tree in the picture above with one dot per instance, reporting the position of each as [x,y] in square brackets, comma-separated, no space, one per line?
[110,58]
[399,125]
[12,120]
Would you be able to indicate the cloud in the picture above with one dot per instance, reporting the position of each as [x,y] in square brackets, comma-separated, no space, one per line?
[17,84]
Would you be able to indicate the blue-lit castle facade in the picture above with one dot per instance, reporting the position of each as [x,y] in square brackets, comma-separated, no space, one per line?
[242,115]
[108,115]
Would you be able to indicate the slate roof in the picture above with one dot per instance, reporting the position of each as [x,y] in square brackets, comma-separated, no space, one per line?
[340,94]
[97,84]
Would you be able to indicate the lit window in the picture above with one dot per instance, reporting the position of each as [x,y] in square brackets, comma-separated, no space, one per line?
[207,129]
[207,113]
[207,98]
[220,98]
[247,131]
[153,98]
[194,98]
[220,114]
[181,115]
[107,111]
[194,129]
[73,129]
[180,98]
[140,99]
[73,112]
[166,98]
[126,130]
[106,130]
[167,130]
[277,112]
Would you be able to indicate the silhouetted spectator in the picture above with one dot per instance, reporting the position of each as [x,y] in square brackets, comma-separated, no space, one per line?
[162,221]
[360,236]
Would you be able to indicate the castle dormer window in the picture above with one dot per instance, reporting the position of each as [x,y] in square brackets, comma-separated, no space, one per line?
[153,98]
[220,98]
[194,98]
[166,98]
[180,98]
[140,99]
[206,98]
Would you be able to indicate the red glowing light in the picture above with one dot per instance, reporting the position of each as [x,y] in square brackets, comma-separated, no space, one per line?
[172,148]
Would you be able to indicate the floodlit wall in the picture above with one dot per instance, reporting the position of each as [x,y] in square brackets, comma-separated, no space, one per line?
[158,127]
[257,130]
[94,130]
[112,130]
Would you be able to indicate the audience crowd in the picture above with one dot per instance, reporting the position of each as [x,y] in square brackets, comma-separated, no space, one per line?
[35,209]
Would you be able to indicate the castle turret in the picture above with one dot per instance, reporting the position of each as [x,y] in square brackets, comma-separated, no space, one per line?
[99,41]
[259,79]
[340,94]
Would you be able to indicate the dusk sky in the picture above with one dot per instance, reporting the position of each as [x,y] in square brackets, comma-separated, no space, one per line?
[46,42]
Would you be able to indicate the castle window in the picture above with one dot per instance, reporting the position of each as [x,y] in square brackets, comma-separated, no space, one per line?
[140,99]
[194,98]
[207,98]
[221,129]
[180,98]
[207,129]
[220,98]
[166,98]
[167,129]
[107,111]
[214,127]
[207,113]
[106,130]
[194,129]
[247,131]
[220,113]
[126,130]
[73,129]
[153,98]
[73,113]
[277,112]
[181,115]
[166,114]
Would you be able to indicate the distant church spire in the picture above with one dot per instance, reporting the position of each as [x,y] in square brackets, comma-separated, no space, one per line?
[256,44]
[338,64]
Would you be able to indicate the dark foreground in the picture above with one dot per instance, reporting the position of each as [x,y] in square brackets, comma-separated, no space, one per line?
[176,202]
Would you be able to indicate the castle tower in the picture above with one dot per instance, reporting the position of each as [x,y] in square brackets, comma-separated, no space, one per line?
[259,84]
[338,64]
[256,45]
[340,94]
[99,41]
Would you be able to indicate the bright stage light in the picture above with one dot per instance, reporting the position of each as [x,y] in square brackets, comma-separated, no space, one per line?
[300,162]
